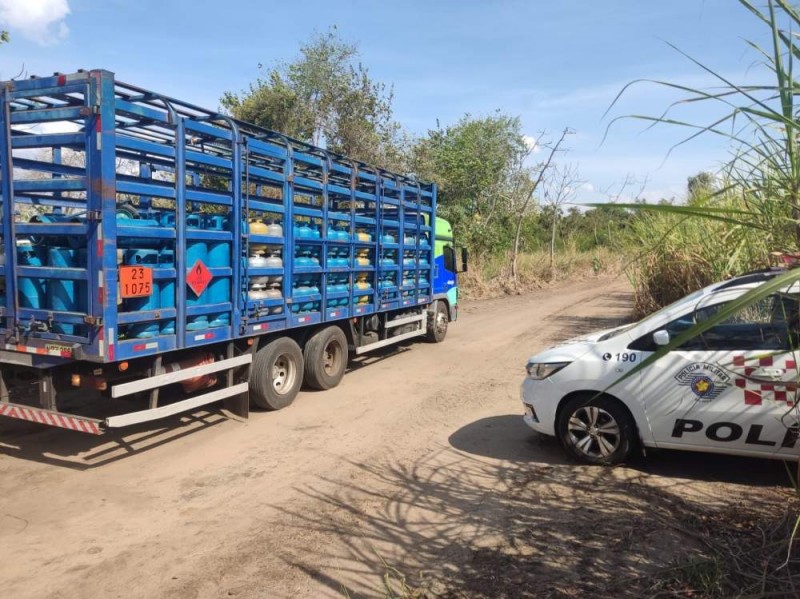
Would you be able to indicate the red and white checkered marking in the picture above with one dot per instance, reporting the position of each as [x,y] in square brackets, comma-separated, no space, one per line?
[755,391]
[72,423]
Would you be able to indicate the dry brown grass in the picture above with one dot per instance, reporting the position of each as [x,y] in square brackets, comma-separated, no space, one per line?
[491,277]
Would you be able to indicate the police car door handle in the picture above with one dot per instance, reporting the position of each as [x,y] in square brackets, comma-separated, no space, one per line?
[768,373]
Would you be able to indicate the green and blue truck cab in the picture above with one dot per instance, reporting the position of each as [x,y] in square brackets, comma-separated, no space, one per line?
[445,278]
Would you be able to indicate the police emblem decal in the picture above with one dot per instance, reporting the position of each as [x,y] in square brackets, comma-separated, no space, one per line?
[706,381]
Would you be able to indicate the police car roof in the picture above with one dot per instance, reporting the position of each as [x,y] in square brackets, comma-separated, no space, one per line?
[756,276]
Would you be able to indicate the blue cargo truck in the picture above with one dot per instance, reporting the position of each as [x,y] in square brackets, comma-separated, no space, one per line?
[159,252]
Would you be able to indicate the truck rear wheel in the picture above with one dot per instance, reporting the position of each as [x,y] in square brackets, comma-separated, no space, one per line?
[325,358]
[438,320]
[276,374]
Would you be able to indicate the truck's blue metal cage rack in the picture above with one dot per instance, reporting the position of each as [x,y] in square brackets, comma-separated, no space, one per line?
[79,149]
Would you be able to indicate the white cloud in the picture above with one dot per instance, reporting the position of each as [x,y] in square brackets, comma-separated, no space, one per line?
[531,142]
[39,20]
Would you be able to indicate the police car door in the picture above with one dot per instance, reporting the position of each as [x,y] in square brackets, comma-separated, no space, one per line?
[731,389]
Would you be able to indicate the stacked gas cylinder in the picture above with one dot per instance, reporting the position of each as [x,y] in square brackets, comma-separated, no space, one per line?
[261,255]
[160,254]
[53,295]
[306,285]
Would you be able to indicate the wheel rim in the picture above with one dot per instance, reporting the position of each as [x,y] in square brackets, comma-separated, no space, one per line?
[331,356]
[284,373]
[594,432]
[441,323]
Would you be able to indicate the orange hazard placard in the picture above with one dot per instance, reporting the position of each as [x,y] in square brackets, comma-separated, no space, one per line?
[198,278]
[135,281]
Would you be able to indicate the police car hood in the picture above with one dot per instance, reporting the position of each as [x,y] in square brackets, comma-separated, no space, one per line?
[571,349]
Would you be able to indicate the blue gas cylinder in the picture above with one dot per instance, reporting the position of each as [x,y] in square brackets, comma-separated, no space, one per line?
[166,289]
[215,222]
[194,221]
[65,295]
[167,219]
[219,256]
[32,292]
[149,259]
[196,250]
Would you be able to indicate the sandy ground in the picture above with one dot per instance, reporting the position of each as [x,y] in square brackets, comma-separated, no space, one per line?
[418,465]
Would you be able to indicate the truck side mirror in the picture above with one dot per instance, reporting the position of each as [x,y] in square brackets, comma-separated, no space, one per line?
[464,256]
[661,338]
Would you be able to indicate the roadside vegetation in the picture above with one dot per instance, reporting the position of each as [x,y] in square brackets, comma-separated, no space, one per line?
[508,195]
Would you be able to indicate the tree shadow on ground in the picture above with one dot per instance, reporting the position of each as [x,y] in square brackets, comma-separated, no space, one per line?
[497,523]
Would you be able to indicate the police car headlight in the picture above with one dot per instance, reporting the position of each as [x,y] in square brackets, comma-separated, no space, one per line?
[537,371]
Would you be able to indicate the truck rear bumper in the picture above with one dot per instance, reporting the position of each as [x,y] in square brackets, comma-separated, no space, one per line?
[80,424]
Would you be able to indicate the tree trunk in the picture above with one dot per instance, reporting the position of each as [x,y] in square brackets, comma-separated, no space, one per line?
[553,238]
[515,251]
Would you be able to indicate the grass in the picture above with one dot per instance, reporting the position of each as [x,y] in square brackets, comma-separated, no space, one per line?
[491,276]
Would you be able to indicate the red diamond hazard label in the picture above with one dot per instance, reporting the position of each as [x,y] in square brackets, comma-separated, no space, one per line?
[198,278]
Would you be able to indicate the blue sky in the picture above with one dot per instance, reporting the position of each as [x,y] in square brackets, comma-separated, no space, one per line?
[555,64]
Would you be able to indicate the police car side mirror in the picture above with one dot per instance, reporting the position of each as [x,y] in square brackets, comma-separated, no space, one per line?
[661,338]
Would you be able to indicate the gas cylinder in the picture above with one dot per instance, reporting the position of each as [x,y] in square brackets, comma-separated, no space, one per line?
[65,295]
[362,257]
[257,291]
[257,227]
[219,290]
[32,292]
[197,383]
[166,289]
[274,260]
[196,250]
[362,283]
[303,257]
[257,262]
[149,259]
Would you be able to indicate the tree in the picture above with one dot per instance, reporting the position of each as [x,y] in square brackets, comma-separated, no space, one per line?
[472,161]
[526,182]
[327,98]
[700,186]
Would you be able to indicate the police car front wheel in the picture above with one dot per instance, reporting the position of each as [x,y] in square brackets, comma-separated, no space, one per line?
[598,430]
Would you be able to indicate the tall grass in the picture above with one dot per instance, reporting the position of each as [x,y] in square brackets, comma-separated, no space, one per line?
[676,254]
[758,208]
[491,277]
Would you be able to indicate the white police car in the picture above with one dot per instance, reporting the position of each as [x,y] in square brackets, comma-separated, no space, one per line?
[732,389]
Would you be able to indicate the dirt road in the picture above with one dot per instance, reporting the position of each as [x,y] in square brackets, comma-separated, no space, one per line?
[417,465]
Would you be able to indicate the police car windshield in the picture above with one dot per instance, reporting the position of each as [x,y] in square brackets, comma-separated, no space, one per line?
[688,298]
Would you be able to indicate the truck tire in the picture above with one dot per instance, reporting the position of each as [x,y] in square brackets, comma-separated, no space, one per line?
[325,356]
[438,319]
[276,374]
[596,429]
